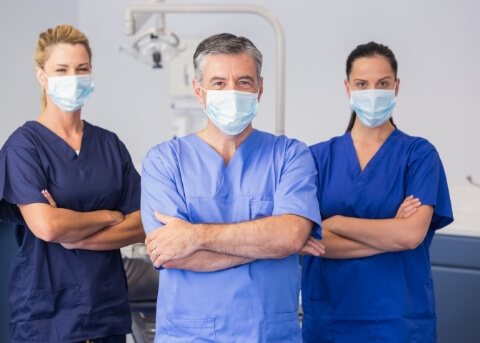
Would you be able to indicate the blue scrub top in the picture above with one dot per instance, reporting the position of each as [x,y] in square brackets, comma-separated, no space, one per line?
[255,302]
[60,295]
[387,297]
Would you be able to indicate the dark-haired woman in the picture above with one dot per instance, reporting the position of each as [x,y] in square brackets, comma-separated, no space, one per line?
[382,195]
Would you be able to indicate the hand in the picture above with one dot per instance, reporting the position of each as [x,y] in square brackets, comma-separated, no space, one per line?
[117,217]
[175,240]
[312,247]
[408,207]
[47,196]
[69,246]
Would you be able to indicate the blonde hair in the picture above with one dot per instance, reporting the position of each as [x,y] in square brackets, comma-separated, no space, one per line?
[49,39]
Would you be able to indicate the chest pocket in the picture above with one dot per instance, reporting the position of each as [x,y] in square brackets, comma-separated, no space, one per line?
[208,210]
[260,208]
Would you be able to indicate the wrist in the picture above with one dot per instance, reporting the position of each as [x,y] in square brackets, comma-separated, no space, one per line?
[199,236]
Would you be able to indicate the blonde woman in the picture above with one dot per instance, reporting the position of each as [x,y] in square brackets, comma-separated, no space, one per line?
[72,191]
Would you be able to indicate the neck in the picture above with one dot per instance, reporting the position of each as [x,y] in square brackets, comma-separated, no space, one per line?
[366,134]
[68,126]
[225,145]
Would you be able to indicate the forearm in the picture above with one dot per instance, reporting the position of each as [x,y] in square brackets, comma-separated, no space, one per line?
[206,261]
[396,234]
[271,237]
[127,232]
[62,225]
[339,247]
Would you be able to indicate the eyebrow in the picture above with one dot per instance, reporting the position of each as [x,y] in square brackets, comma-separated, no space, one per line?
[243,77]
[66,65]
[383,78]
[216,78]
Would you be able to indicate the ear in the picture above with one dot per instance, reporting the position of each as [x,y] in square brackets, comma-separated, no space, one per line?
[198,92]
[42,79]
[397,86]
[347,87]
[260,89]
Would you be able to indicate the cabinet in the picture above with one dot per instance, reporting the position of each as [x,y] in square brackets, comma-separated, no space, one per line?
[456,273]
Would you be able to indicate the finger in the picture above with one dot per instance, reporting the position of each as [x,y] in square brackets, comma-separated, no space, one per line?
[160,260]
[316,243]
[314,247]
[153,255]
[160,217]
[309,250]
[151,236]
[410,212]
[49,198]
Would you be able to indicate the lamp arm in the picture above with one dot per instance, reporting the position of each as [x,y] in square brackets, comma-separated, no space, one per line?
[133,9]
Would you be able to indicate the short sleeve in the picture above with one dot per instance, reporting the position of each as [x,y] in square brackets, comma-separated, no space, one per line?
[131,183]
[161,187]
[297,191]
[22,182]
[426,180]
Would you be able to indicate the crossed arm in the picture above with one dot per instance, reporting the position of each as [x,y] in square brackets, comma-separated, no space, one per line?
[210,247]
[347,237]
[95,230]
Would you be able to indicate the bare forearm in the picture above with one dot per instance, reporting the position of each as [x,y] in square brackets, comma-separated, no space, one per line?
[394,234]
[66,226]
[339,247]
[206,261]
[128,232]
[271,237]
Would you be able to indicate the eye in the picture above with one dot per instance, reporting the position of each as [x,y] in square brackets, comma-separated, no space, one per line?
[218,85]
[383,84]
[244,84]
[361,84]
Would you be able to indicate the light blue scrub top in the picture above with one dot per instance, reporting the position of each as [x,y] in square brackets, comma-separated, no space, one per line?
[387,297]
[255,302]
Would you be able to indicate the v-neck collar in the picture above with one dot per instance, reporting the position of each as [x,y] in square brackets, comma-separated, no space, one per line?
[376,158]
[62,145]
[240,150]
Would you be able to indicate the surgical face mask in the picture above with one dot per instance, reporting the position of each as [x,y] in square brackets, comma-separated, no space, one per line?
[70,93]
[373,106]
[231,111]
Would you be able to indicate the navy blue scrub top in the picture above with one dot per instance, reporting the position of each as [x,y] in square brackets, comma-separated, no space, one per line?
[387,297]
[56,294]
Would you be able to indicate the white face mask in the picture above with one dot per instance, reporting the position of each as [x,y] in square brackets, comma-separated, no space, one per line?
[373,106]
[231,111]
[70,93]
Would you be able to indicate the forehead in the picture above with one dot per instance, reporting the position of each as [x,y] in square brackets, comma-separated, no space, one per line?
[229,65]
[67,54]
[375,66]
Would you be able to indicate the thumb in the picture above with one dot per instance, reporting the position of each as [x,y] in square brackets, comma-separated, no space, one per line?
[160,217]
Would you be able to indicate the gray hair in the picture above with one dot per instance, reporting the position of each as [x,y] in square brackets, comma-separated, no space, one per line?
[224,43]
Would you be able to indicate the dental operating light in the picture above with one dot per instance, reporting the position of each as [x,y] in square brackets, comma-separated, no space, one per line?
[158,45]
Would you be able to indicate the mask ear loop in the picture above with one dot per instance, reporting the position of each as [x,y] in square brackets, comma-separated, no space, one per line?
[350,89]
[48,80]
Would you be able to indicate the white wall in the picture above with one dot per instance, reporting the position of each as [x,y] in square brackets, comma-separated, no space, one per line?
[436,43]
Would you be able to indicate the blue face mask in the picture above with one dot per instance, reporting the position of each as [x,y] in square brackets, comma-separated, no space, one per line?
[231,111]
[373,106]
[70,93]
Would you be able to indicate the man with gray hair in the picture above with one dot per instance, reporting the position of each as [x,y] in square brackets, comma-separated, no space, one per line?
[227,210]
